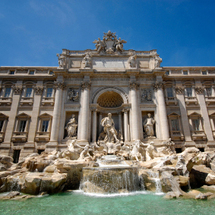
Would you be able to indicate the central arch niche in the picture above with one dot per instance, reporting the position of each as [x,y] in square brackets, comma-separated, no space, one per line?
[110,99]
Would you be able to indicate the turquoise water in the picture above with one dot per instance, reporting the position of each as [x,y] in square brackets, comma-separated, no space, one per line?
[78,203]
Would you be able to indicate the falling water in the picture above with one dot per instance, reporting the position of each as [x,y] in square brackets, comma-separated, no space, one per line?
[155,177]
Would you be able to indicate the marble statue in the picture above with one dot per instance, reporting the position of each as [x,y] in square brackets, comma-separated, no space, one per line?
[149,125]
[61,61]
[100,45]
[109,129]
[132,61]
[134,153]
[158,61]
[119,45]
[151,151]
[71,127]
[87,61]
[85,153]
[73,95]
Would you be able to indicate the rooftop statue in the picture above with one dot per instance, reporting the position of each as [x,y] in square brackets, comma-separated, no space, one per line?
[109,44]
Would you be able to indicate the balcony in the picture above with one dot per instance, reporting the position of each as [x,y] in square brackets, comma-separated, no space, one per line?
[191,100]
[19,136]
[42,136]
[198,135]
[171,101]
[210,100]
[5,101]
[26,101]
[47,101]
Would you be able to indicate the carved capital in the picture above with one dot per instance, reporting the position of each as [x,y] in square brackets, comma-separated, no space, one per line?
[60,85]
[199,90]
[85,85]
[158,85]
[38,90]
[17,89]
[179,90]
[133,85]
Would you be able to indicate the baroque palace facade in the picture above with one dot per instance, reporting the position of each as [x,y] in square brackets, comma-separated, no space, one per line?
[36,103]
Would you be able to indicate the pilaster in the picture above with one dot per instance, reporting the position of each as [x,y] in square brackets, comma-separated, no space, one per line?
[17,90]
[204,111]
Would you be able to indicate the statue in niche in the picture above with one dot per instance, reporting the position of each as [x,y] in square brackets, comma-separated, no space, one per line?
[87,61]
[109,129]
[71,127]
[148,125]
[73,95]
[100,45]
[119,45]
[132,61]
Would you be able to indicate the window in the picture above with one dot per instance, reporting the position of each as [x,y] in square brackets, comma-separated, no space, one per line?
[45,125]
[22,125]
[7,92]
[167,72]
[11,72]
[49,92]
[189,92]
[169,91]
[208,91]
[204,72]
[28,92]
[16,154]
[196,124]
[51,72]
[185,72]
[175,125]
[1,125]
[31,72]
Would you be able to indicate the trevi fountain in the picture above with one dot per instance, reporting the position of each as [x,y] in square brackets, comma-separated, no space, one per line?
[109,176]
[106,143]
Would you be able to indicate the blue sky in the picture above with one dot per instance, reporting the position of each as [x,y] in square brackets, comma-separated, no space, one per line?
[33,31]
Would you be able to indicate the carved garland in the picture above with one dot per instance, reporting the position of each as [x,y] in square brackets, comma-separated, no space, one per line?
[179,90]
[38,90]
[17,89]
[199,90]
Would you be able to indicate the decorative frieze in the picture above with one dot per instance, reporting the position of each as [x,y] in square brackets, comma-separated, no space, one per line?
[146,95]
[73,95]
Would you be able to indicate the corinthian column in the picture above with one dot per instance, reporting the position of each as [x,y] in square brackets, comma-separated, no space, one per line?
[164,127]
[57,112]
[134,112]
[94,126]
[83,124]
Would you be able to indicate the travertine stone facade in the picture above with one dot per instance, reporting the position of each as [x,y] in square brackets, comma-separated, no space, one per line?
[36,103]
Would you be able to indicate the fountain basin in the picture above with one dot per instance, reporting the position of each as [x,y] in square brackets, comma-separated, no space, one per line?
[110,179]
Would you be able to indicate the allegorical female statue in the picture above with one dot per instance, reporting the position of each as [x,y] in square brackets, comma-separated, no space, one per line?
[71,127]
[149,125]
